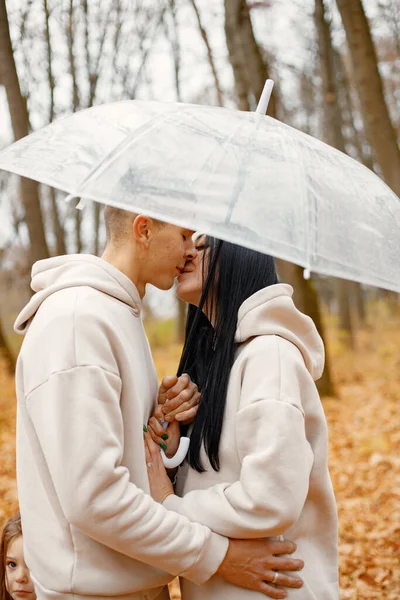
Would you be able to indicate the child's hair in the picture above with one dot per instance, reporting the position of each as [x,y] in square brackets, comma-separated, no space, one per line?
[12,529]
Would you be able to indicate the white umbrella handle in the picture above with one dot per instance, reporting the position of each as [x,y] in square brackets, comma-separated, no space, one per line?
[179,456]
[265,96]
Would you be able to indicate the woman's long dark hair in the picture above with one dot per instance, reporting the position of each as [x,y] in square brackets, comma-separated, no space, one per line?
[231,274]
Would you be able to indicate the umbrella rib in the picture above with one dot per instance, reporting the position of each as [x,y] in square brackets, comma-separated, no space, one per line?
[243,167]
[222,144]
[115,152]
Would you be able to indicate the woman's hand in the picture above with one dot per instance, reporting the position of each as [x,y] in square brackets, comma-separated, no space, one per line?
[167,439]
[160,484]
[180,398]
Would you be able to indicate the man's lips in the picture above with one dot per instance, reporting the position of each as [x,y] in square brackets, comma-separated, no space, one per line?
[183,271]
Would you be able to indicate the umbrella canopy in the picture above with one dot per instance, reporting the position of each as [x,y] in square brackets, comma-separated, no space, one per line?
[241,177]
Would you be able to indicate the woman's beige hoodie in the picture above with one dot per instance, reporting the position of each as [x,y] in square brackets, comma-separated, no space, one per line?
[86,384]
[274,477]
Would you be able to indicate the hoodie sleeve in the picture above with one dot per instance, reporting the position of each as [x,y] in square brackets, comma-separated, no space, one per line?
[93,487]
[276,458]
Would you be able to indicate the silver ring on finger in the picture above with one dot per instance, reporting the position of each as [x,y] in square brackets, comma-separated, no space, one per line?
[149,464]
[275,579]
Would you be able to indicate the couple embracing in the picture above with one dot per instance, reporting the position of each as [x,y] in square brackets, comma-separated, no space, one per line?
[100,515]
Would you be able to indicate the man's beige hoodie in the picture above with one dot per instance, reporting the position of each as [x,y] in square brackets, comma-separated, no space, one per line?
[274,477]
[86,384]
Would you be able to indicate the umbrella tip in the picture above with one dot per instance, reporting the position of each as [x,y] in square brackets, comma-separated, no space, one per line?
[80,205]
[265,96]
[306,274]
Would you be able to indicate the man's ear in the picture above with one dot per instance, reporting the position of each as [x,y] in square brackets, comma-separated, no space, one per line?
[141,228]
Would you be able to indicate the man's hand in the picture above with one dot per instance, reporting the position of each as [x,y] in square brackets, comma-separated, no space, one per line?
[255,564]
[180,398]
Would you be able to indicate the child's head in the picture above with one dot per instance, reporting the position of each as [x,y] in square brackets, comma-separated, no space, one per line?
[15,579]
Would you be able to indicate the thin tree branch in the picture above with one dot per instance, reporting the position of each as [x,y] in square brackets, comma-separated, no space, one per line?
[70,42]
[220,99]
[50,74]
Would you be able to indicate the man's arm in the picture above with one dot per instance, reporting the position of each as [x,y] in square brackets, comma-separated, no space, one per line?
[77,418]
[251,564]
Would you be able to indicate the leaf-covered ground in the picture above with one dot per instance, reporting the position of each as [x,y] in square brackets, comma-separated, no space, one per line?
[364,457]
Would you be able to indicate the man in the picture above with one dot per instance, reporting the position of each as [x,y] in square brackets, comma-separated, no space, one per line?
[86,384]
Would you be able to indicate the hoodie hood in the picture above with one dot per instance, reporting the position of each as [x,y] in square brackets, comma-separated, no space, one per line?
[271,311]
[54,274]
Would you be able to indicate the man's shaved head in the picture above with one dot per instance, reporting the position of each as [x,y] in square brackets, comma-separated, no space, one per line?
[146,250]
[118,224]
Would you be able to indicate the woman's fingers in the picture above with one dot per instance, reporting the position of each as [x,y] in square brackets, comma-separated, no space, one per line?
[147,450]
[168,439]
[158,428]
[155,436]
[160,485]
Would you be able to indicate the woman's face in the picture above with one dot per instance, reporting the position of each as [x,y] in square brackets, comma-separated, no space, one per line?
[18,579]
[190,282]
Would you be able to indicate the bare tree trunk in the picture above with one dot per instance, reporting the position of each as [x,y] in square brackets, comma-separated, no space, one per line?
[343,291]
[237,52]
[306,299]
[359,303]
[58,230]
[176,49]
[20,125]
[5,352]
[333,133]
[379,129]
[57,227]
[220,99]
[71,54]
[50,75]
[355,137]
[245,55]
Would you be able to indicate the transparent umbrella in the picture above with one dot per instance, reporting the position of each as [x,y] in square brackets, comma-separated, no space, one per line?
[241,177]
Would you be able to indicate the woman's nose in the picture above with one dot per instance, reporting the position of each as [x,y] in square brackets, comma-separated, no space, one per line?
[191,253]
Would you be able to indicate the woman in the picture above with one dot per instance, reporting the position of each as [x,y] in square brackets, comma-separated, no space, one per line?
[258,458]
